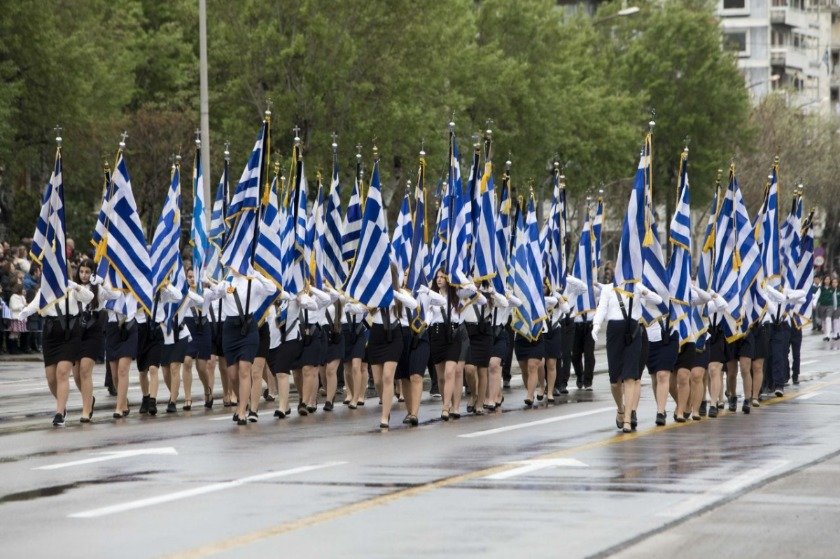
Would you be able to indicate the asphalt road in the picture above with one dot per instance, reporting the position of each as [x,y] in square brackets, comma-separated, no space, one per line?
[549,482]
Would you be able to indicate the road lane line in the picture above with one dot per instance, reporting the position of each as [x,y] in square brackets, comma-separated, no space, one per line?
[809,362]
[808,396]
[105,456]
[529,466]
[212,488]
[342,511]
[534,423]
[752,476]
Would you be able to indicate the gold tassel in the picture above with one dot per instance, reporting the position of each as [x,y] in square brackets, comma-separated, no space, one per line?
[648,238]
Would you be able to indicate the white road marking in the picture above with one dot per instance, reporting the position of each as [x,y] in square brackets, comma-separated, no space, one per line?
[226,417]
[529,466]
[808,396]
[105,456]
[534,423]
[809,362]
[203,490]
[739,482]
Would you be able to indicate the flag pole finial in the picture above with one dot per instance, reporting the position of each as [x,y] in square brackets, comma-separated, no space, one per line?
[198,137]
[296,130]
[268,104]
[123,136]
[227,151]
[334,144]
[358,153]
[452,124]
[422,148]
[57,130]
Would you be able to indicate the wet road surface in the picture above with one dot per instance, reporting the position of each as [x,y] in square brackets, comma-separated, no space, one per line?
[553,482]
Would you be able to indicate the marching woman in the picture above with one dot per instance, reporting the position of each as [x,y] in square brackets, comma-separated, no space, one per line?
[216,314]
[93,340]
[198,349]
[480,331]
[241,294]
[531,355]
[621,311]
[558,307]
[715,356]
[355,333]
[329,319]
[62,338]
[312,352]
[385,345]
[702,351]
[502,308]
[663,346]
[446,343]
[287,346]
[411,377]
[176,338]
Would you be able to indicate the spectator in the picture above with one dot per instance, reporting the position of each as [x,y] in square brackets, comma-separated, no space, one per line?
[17,326]
[32,280]
[21,262]
[70,248]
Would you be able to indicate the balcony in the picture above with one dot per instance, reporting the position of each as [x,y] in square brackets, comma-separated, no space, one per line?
[789,58]
[789,16]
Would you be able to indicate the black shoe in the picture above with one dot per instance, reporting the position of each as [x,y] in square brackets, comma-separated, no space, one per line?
[226,404]
[660,419]
[702,411]
[506,384]
[328,406]
[579,385]
[528,403]
[679,418]
[92,406]
[302,410]
[242,421]
[58,420]
[208,403]
[746,406]
[539,397]
[634,421]
[253,417]
[444,415]
[125,413]
[413,421]
[236,418]
[383,426]
[187,405]
[720,405]
[171,407]
[470,409]
[117,415]
[686,414]
[84,420]
[733,403]
[152,406]
[405,419]
[112,391]
[795,380]
[311,409]
[779,393]
[564,390]
[267,396]
[455,415]
[555,392]
[144,405]
[713,412]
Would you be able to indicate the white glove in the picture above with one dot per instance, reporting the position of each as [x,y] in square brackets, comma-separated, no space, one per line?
[595,333]
[25,313]
[73,285]
[95,280]
[423,289]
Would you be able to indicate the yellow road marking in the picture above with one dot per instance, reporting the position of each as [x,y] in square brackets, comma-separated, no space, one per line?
[347,510]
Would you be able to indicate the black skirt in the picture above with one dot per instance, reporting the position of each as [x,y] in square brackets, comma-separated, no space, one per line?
[355,340]
[553,343]
[312,353]
[756,345]
[93,336]
[149,346]
[217,338]
[334,350]
[239,347]
[402,371]
[121,341]
[58,343]
[418,360]
[623,358]
[444,343]
[283,358]
[201,344]
[685,358]
[481,341]
[265,341]
[529,350]
[465,343]
[701,358]
[716,343]
[173,353]
[662,355]
[500,343]
[384,346]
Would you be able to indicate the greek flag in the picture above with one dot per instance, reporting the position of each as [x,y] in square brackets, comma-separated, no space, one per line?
[597,226]
[268,255]
[418,272]
[805,271]
[39,238]
[630,261]
[791,243]
[100,231]
[370,281]
[770,259]
[52,256]
[335,269]
[218,227]
[654,274]
[401,240]
[165,242]
[126,245]
[748,258]
[705,267]
[460,236]
[198,233]
[242,215]
[528,277]
[314,232]
[679,267]
[550,239]
[583,269]
[441,238]
[484,247]
[501,258]
[726,262]
[294,236]
[353,218]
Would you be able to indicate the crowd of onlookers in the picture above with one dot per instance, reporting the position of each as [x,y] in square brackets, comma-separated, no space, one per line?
[20,278]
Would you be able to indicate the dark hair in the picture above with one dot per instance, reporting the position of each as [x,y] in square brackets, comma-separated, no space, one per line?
[90,265]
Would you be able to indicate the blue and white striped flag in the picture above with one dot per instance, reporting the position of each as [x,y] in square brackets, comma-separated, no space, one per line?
[460,234]
[501,256]
[218,226]
[805,271]
[705,265]
[679,266]
[198,233]
[484,247]
[597,226]
[39,238]
[528,277]
[770,248]
[100,230]
[242,215]
[165,242]
[725,278]
[353,218]
[52,256]
[268,256]
[418,270]
[630,261]
[748,257]
[335,268]
[440,240]
[127,251]
[401,239]
[314,231]
[370,281]
[583,269]
[791,243]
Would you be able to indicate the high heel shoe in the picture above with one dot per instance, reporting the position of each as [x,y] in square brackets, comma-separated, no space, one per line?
[187,405]
[528,402]
[634,421]
[444,415]
[619,419]
[660,419]
[626,428]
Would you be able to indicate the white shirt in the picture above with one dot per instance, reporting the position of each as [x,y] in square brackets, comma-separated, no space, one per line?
[260,288]
[294,312]
[609,308]
[75,294]
[403,297]
[191,300]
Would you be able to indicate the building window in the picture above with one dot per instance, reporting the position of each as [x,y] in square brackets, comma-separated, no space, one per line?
[835,94]
[737,41]
[734,4]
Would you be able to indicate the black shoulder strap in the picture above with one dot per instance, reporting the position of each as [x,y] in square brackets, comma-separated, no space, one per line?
[624,312]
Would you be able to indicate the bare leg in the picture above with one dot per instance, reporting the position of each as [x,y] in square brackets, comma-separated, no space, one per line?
[551,377]
[481,399]
[121,382]
[310,385]
[62,385]
[416,392]
[297,376]
[471,375]
[243,374]
[683,389]
[85,382]
[331,374]
[447,388]
[495,381]
[757,376]
[359,380]
[458,388]
[386,375]
[283,392]
[187,376]
[696,390]
[50,374]
[747,377]
[174,381]
[255,383]
[663,382]
[715,382]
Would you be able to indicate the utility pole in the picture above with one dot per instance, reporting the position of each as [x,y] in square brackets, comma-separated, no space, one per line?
[205,104]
